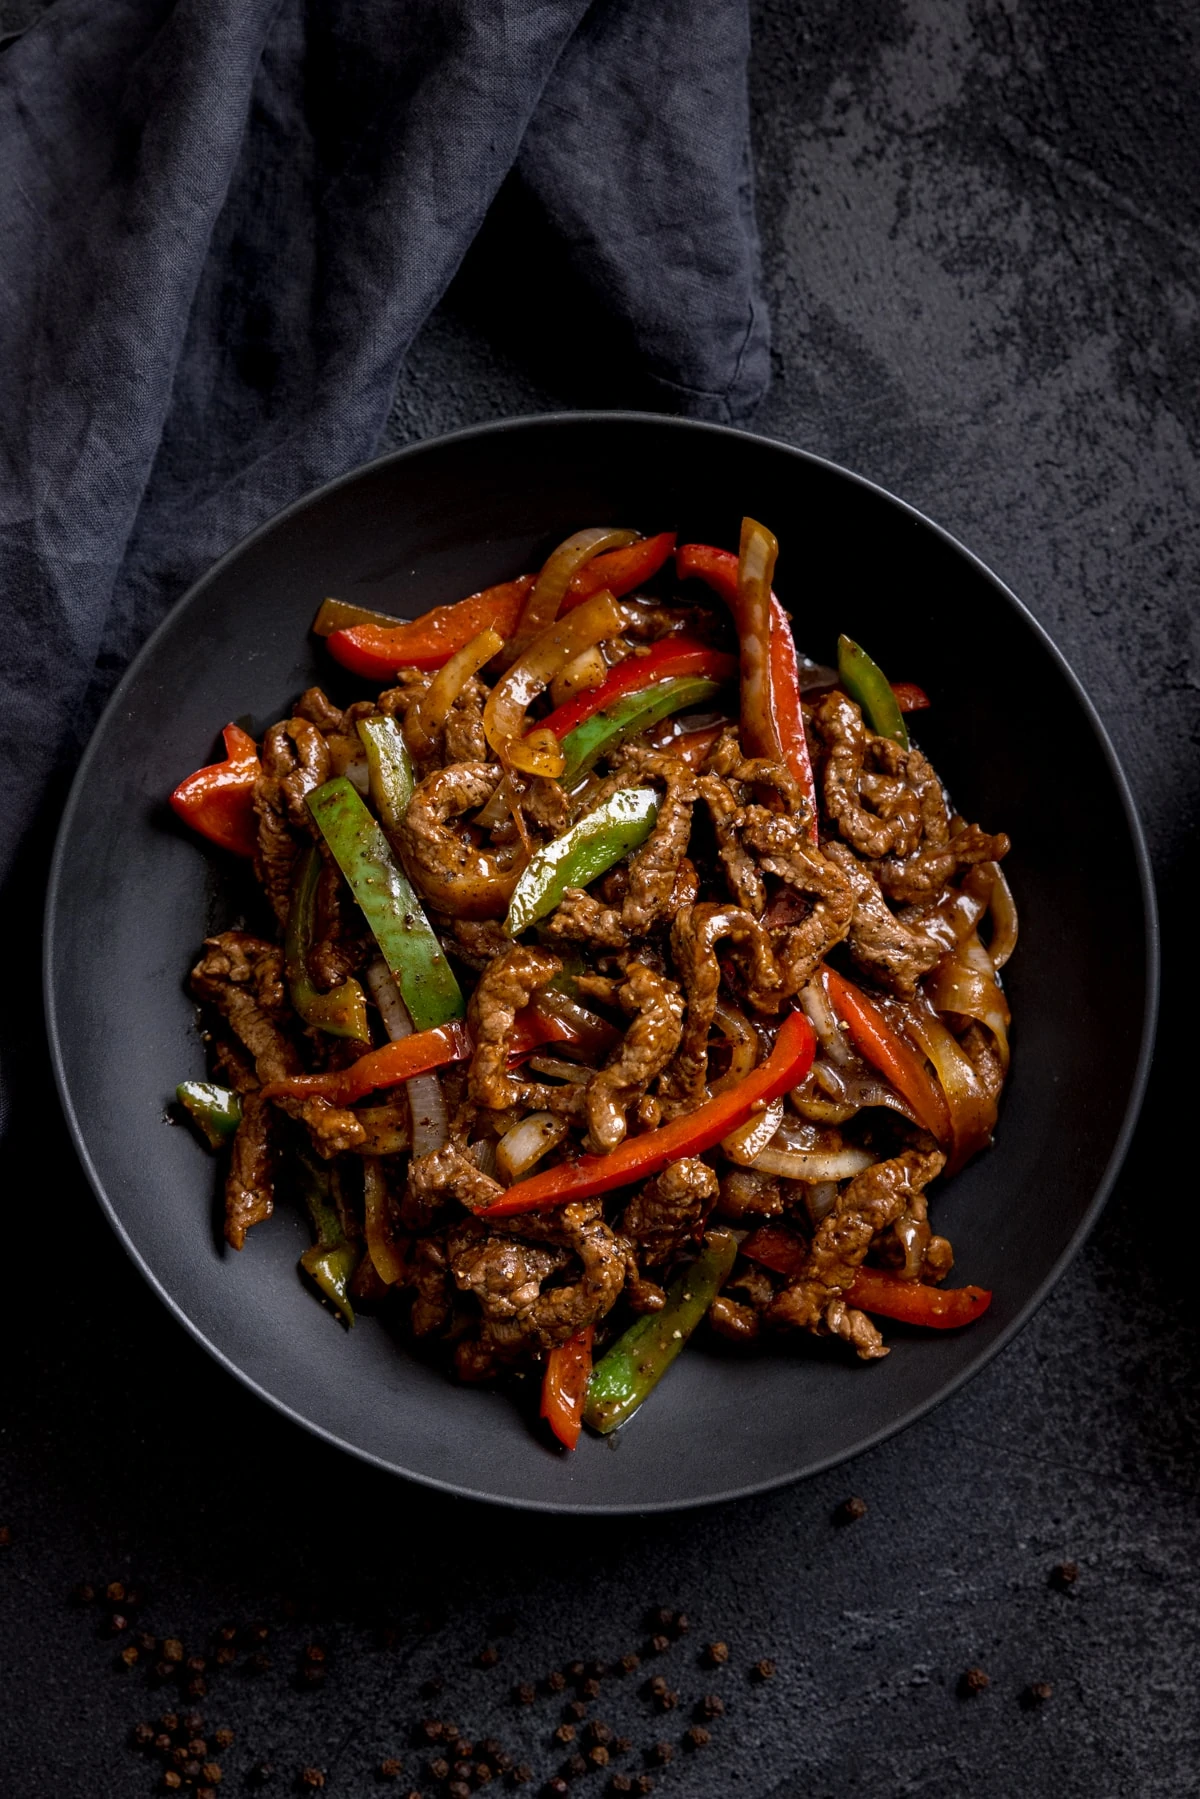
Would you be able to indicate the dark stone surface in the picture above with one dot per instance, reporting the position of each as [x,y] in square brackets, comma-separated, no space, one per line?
[982,241]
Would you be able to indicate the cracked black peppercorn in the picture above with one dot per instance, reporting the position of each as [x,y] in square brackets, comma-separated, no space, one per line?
[565,1733]
[659,1617]
[488,1656]
[710,1706]
[643,1784]
[556,1681]
[521,1774]
[575,1670]
[658,1645]
[598,1732]
[114,1592]
[715,1655]
[458,1789]
[620,1783]
[192,1723]
[1064,1576]
[622,1745]
[83,1594]
[171,1781]
[116,1624]
[438,1769]
[431,1730]
[972,1682]
[573,1767]
[481,1773]
[666,1702]
[629,1662]
[169,1721]
[525,1693]
[850,1510]
[390,1768]
[576,1709]
[212,1773]
[590,1688]
[555,1787]
[764,1669]
[464,1748]
[662,1753]
[680,1624]
[223,1736]
[312,1778]
[696,1737]
[142,1735]
[598,1755]
[1036,1694]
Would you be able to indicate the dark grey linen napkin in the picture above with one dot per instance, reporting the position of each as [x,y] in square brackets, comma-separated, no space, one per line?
[222,222]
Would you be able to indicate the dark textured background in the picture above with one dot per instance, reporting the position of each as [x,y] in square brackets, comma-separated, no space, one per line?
[982,239]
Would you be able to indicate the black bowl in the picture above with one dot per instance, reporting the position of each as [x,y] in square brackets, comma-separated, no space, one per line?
[1012,733]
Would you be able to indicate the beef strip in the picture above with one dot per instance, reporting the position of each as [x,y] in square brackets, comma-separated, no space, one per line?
[652,1038]
[783,849]
[669,1210]
[294,760]
[866,1206]
[894,953]
[339,947]
[315,705]
[917,877]
[694,936]
[250,1181]
[748,1195]
[474,941]
[429,1275]
[519,1315]
[463,737]
[742,876]
[450,1173]
[506,986]
[242,976]
[652,870]
[736,1322]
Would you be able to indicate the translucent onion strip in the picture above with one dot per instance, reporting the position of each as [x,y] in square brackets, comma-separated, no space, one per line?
[428,717]
[527,1143]
[510,699]
[751,1138]
[430,1125]
[972,1113]
[587,671]
[389,1263]
[823,1019]
[549,590]
[814,1164]
[743,1039]
[965,982]
[820,1198]
[1004,920]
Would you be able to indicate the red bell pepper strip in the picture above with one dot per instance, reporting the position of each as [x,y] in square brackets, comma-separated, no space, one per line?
[218,801]
[385,1067]
[911,1302]
[621,571]
[787,1065]
[669,657]
[565,1384]
[718,569]
[910,697]
[889,1052]
[377,651]
[875,1289]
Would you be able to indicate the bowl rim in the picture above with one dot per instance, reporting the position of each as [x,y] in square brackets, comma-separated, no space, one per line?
[548,421]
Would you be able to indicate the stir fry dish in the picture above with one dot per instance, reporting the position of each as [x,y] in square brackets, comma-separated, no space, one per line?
[619,974]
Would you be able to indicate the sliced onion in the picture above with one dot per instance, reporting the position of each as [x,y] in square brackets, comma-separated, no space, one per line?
[814,1164]
[750,1139]
[972,1113]
[389,1263]
[1004,920]
[430,1125]
[588,670]
[563,1071]
[592,1036]
[820,1197]
[965,982]
[857,1091]
[429,715]
[549,590]
[484,1154]
[820,1014]
[743,1039]
[560,643]
[358,773]
[527,1143]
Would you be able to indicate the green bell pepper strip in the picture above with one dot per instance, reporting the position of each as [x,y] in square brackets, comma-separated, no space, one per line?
[606,731]
[390,768]
[866,683]
[342,1012]
[215,1111]
[331,1261]
[405,936]
[589,848]
[628,1372]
